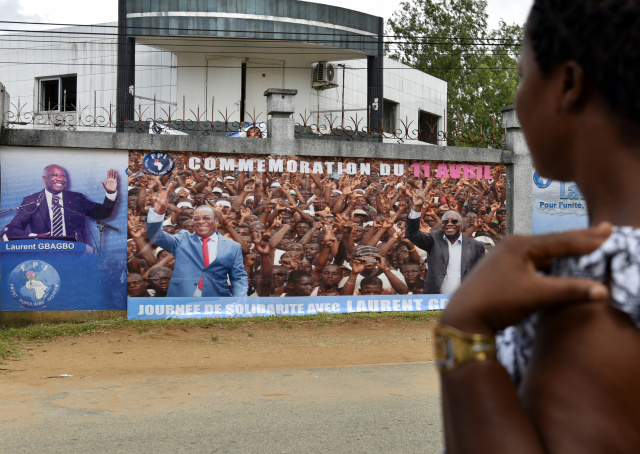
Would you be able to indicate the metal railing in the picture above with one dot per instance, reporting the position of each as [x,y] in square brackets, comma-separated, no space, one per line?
[219,123]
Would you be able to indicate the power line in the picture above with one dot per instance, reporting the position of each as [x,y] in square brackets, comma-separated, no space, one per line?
[336,33]
[463,41]
[248,50]
[66,63]
[220,41]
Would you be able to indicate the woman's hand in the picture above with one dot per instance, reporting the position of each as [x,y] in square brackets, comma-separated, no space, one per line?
[506,287]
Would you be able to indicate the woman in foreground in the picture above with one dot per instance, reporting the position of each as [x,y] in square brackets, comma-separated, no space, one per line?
[569,381]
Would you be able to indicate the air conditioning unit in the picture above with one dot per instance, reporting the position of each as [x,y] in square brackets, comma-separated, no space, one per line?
[324,76]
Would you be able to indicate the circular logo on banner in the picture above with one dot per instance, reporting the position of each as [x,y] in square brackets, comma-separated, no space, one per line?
[158,164]
[540,181]
[34,283]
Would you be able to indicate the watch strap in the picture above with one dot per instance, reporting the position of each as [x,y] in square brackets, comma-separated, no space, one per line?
[455,348]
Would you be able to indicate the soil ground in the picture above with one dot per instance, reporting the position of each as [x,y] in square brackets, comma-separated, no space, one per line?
[252,346]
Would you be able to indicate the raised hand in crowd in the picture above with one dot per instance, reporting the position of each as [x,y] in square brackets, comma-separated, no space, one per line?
[161,201]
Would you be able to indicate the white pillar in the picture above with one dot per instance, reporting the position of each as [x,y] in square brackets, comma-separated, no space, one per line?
[519,175]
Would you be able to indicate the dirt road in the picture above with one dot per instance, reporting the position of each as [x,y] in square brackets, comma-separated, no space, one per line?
[253,346]
[349,386]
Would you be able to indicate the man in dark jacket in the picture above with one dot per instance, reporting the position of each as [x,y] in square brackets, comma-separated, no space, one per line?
[451,255]
[55,212]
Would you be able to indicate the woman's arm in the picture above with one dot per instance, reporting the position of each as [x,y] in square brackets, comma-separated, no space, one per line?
[482,409]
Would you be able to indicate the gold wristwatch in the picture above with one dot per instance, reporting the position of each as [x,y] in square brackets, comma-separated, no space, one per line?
[455,348]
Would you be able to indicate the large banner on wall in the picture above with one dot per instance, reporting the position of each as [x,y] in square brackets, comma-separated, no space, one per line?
[63,229]
[303,235]
[558,206]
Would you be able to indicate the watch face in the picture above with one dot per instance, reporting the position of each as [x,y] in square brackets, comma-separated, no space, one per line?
[444,352]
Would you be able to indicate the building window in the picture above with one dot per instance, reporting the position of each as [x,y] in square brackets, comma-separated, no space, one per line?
[389,115]
[428,127]
[57,94]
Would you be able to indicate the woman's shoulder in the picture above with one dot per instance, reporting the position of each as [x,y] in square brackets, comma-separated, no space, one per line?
[616,262]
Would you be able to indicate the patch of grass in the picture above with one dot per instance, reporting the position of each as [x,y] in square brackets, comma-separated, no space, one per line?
[14,340]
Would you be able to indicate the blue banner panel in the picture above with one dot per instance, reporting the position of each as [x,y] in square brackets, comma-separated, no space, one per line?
[51,196]
[161,308]
[558,206]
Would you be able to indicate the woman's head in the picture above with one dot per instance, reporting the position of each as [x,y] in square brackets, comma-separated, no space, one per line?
[602,37]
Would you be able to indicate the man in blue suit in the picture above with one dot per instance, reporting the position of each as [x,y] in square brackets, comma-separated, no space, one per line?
[205,260]
[38,217]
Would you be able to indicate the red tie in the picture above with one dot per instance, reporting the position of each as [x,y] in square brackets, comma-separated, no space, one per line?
[205,254]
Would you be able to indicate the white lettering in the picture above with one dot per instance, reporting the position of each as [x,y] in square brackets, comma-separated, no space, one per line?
[210,163]
[317,167]
[351,168]
[227,164]
[276,165]
[245,165]
[292,166]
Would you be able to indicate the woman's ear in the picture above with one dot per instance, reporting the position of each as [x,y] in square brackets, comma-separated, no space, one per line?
[573,85]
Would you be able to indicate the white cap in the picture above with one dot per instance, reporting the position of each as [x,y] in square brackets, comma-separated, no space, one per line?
[223,203]
[485,240]
[184,204]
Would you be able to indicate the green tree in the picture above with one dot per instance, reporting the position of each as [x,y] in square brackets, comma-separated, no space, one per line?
[450,40]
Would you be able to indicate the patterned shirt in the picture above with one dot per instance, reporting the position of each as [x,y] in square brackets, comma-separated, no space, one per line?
[617,259]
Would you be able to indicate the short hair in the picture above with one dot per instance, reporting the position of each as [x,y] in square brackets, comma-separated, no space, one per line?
[330,265]
[404,265]
[46,169]
[454,214]
[294,244]
[296,275]
[155,271]
[602,36]
[203,207]
[370,280]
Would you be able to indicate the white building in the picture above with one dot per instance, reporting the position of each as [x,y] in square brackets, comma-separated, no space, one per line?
[215,65]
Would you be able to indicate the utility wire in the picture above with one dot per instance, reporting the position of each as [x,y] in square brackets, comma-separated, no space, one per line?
[229,67]
[242,50]
[336,33]
[218,42]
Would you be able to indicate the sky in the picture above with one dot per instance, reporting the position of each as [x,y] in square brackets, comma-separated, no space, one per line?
[89,12]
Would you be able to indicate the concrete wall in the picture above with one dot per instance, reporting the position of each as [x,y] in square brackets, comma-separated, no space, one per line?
[515,156]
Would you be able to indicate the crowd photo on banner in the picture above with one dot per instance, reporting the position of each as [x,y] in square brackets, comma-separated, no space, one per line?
[300,226]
